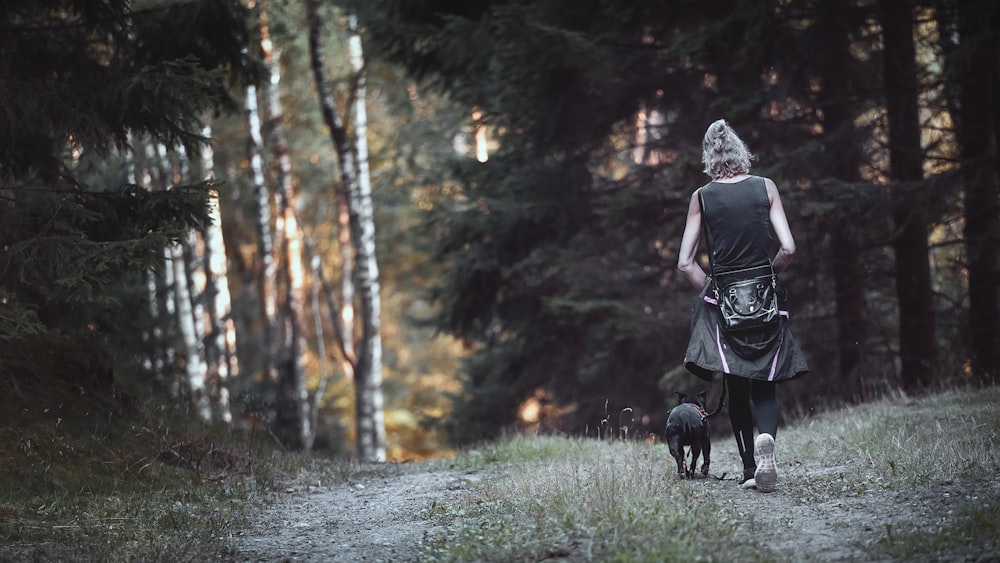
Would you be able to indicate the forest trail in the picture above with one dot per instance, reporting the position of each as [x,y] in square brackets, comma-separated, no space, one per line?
[388,517]
[370,518]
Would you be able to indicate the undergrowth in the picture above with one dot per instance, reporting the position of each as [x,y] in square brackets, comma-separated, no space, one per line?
[85,481]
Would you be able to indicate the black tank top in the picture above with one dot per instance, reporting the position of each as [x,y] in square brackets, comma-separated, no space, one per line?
[737,224]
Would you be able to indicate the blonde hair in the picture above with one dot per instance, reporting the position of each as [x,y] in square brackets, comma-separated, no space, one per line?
[723,152]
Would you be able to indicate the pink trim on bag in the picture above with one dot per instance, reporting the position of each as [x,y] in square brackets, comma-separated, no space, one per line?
[711,300]
[722,355]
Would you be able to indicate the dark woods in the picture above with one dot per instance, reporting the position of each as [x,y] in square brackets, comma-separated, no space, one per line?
[552,258]
[878,120]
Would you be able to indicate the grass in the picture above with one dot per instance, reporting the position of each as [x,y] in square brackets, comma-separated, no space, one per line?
[80,484]
[96,487]
[154,487]
[579,499]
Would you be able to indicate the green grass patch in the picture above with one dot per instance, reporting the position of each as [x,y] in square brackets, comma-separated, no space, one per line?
[583,499]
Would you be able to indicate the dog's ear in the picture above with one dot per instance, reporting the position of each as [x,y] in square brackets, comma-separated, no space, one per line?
[703,396]
[680,396]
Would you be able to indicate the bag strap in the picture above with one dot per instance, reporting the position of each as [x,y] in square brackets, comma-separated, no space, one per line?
[708,239]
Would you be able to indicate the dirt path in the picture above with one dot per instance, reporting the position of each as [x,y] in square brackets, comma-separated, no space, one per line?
[373,518]
[384,518]
[804,524]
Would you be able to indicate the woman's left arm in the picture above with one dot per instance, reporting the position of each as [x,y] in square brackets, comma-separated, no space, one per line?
[779,222]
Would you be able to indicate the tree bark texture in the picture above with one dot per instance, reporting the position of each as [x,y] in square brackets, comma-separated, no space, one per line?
[843,164]
[293,418]
[368,375]
[265,248]
[917,343]
[220,345]
[367,264]
[979,173]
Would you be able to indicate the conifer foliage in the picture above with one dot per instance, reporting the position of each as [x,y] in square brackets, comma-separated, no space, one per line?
[78,79]
[557,253]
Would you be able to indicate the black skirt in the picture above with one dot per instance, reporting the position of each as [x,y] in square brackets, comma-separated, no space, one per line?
[764,355]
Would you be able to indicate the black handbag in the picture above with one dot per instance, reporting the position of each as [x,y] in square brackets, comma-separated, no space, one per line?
[748,298]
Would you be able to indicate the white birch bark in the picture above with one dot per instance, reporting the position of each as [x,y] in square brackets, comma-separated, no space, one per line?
[294,398]
[369,418]
[194,367]
[220,352]
[265,250]
[152,335]
[367,265]
[163,286]
[345,315]
[185,306]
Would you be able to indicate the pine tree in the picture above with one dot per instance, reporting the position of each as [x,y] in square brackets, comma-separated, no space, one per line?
[85,76]
[913,273]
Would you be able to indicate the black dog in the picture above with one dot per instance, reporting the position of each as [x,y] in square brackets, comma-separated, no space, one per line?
[687,425]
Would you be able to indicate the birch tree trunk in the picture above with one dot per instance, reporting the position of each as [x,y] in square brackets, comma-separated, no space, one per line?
[370,397]
[194,367]
[265,250]
[162,287]
[369,418]
[139,175]
[189,315]
[220,353]
[293,417]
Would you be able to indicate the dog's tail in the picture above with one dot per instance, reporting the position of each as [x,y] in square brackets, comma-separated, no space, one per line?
[719,386]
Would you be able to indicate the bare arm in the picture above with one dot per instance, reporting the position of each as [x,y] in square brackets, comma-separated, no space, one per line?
[781,229]
[686,261]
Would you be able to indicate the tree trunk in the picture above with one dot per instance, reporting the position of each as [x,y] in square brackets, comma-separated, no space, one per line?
[368,375]
[139,175]
[843,163]
[220,352]
[293,418]
[164,284]
[194,367]
[367,264]
[265,249]
[345,316]
[979,173]
[918,346]
[179,302]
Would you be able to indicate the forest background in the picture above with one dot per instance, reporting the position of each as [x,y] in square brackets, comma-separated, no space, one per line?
[521,172]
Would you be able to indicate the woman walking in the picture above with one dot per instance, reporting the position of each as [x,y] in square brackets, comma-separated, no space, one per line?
[738,213]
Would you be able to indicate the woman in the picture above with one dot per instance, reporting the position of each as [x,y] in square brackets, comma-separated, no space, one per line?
[740,212]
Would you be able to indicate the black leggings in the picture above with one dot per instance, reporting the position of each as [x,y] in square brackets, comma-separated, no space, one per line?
[749,400]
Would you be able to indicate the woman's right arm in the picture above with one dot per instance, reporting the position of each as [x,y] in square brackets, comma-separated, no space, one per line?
[779,222]
[687,260]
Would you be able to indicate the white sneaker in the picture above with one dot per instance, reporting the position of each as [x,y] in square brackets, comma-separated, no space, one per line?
[750,483]
[767,472]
